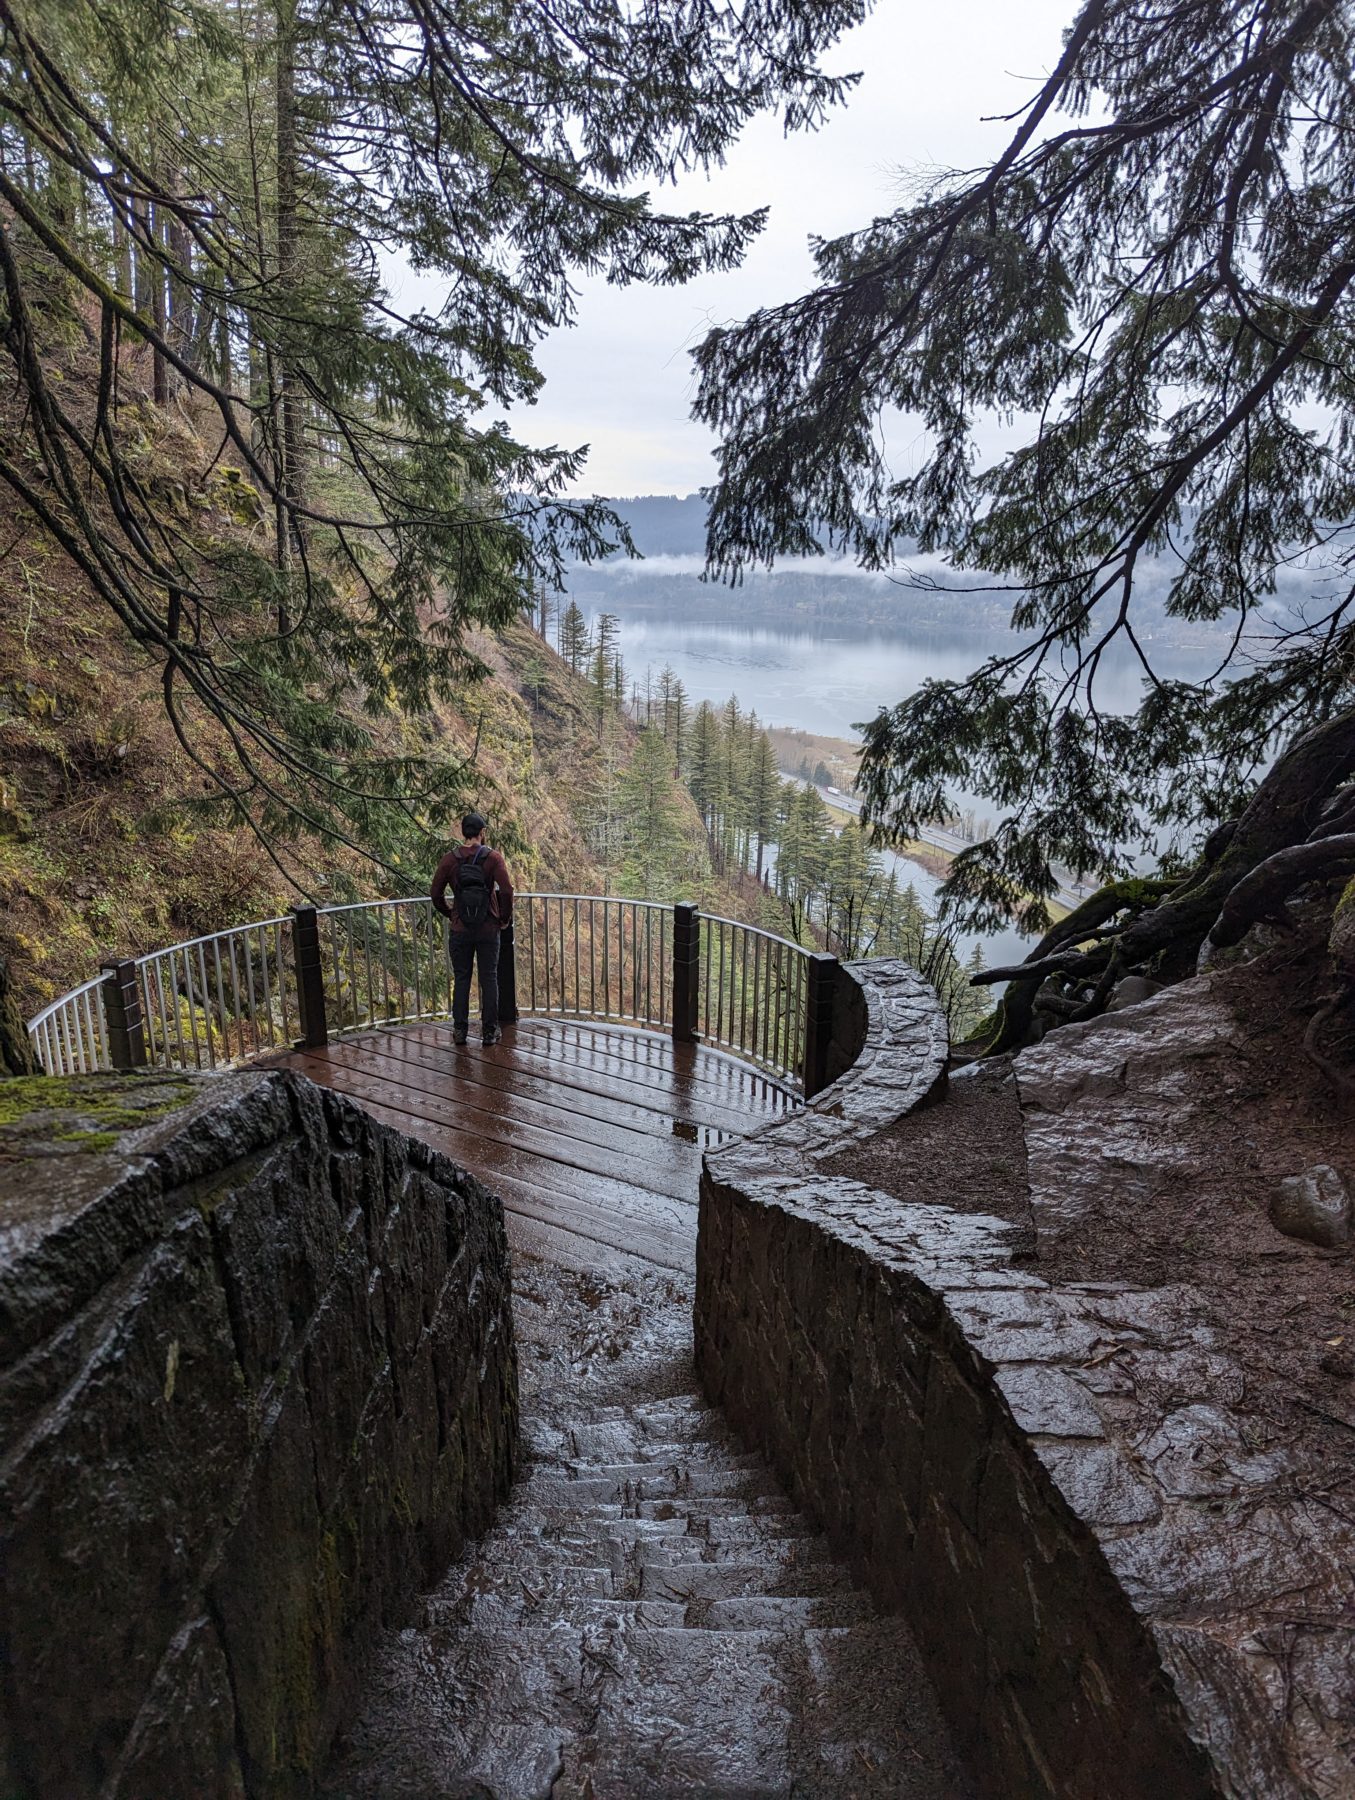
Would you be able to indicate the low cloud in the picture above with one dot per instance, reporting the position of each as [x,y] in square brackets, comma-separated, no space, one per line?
[837,568]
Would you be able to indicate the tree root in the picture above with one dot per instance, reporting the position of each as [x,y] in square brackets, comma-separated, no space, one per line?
[1295,830]
[1339,1079]
[1262,892]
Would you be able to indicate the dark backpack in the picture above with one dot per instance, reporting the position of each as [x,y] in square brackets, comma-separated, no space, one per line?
[471,887]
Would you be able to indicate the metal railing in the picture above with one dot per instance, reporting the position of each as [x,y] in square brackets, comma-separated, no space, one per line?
[296,980]
[383,962]
[214,1001]
[594,957]
[753,993]
[70,1037]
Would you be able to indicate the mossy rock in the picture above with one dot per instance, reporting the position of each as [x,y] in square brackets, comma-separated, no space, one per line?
[15,821]
[237,496]
[16,1052]
[54,1114]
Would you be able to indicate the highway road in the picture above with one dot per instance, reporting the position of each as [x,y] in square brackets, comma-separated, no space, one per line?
[950,841]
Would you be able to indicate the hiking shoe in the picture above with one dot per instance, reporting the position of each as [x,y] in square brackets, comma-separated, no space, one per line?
[459,1034]
[492,1036]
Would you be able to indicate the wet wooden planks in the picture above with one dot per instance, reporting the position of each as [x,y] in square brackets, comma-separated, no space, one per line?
[591,1133]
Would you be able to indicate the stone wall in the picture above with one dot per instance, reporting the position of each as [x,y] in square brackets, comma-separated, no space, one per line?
[257,1386]
[903,1376]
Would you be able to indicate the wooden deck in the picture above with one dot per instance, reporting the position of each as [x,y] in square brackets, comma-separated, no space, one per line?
[592,1134]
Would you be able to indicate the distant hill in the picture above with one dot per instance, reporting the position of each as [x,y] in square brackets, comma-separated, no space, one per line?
[665,524]
[832,593]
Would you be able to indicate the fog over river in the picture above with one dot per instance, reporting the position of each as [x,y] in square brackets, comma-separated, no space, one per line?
[832,683]
[822,683]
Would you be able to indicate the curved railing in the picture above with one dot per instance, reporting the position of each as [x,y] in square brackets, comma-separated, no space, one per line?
[296,980]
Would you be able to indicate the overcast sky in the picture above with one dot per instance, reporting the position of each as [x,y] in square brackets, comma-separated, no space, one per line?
[621,379]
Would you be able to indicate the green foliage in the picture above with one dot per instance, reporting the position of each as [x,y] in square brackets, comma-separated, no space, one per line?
[574,638]
[204,201]
[605,672]
[670,714]
[1157,279]
[823,884]
[657,854]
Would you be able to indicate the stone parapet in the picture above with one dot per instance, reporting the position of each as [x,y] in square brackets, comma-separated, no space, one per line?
[940,1411]
[887,1053]
[257,1387]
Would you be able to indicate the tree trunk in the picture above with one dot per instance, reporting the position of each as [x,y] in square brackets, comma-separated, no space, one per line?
[16,1053]
[159,311]
[143,272]
[180,247]
[122,256]
[225,372]
[291,446]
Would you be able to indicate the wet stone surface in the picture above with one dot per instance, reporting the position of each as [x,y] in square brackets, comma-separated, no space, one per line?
[1315,1206]
[649,1616]
[1121,1528]
[257,1385]
[1222,1495]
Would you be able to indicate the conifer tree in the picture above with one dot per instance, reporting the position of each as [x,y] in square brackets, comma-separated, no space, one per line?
[704,771]
[604,670]
[733,784]
[764,785]
[210,193]
[575,639]
[852,876]
[1157,274]
[802,855]
[608,824]
[654,819]
[677,734]
[882,919]
[664,703]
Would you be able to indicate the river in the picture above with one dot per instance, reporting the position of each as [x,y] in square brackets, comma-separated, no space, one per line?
[820,683]
[832,684]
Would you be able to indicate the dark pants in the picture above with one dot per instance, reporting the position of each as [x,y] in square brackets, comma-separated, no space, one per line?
[466,952]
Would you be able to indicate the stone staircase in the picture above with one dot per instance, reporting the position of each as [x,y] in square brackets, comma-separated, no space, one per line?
[649,1616]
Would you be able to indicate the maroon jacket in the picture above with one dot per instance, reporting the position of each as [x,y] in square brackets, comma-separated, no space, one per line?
[496,873]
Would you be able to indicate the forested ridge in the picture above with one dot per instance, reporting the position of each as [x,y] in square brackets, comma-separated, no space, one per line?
[267,546]
[271,271]
[771,850]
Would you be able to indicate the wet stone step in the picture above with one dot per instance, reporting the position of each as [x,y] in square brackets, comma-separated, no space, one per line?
[628,1440]
[645,1457]
[639,1484]
[675,1718]
[558,1582]
[650,1617]
[495,1612]
[716,1506]
[781,1612]
[735,1528]
[734,1580]
[771,1553]
[541,1554]
[690,1473]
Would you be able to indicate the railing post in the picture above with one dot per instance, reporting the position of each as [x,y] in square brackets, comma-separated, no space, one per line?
[820,985]
[508,977]
[310,978]
[686,972]
[122,1016]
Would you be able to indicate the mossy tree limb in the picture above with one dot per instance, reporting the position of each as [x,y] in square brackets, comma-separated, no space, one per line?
[1281,839]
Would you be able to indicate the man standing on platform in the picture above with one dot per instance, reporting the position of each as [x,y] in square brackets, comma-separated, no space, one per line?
[481,905]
